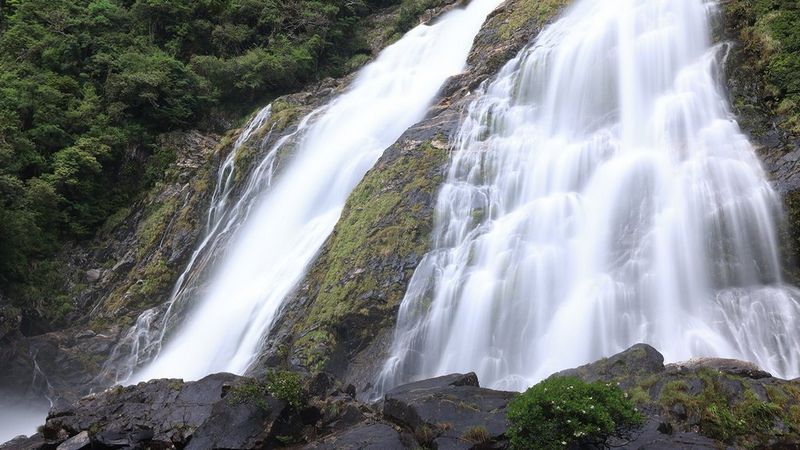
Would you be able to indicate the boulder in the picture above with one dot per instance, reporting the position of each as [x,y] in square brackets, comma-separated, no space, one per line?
[448,412]
[80,441]
[730,366]
[364,436]
[638,360]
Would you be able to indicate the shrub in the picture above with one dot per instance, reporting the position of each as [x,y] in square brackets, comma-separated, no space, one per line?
[287,386]
[565,411]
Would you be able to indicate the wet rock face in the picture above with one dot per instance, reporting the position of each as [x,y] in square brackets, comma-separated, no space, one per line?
[163,414]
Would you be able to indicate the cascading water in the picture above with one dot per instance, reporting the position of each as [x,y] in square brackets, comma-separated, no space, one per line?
[600,194]
[290,222]
[143,341]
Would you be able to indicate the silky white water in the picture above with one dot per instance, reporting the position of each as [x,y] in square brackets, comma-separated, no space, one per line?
[290,221]
[600,194]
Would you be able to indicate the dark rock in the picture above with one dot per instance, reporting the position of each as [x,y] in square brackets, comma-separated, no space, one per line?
[652,436]
[442,409]
[638,360]
[730,366]
[237,426]
[119,439]
[169,413]
[321,384]
[366,436]
[455,379]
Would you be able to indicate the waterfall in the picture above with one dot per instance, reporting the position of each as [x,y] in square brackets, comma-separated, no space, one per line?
[287,219]
[600,194]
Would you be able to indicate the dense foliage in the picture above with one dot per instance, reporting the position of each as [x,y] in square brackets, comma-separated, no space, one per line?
[565,412]
[86,85]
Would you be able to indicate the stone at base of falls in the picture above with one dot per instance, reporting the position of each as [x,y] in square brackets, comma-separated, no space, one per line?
[449,406]
[707,403]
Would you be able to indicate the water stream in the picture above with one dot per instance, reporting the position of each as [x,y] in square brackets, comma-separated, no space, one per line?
[601,194]
[289,217]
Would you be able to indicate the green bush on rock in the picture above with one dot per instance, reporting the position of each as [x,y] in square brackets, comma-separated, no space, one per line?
[287,386]
[564,411]
[281,384]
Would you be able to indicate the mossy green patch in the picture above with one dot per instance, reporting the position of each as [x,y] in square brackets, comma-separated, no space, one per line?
[525,11]
[769,33]
[151,229]
[729,410]
[382,224]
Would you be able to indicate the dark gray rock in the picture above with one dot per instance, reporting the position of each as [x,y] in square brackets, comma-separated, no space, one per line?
[443,409]
[730,366]
[656,435]
[455,379]
[237,426]
[165,413]
[638,360]
[365,436]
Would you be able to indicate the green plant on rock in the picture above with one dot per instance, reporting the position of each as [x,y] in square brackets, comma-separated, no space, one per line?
[250,392]
[287,386]
[729,416]
[565,411]
[477,435]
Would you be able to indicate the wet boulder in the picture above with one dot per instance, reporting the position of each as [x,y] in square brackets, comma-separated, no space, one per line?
[451,412]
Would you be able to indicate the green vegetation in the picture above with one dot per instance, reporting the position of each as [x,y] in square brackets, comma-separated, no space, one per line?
[476,435]
[527,10]
[382,221]
[87,85]
[287,386]
[565,411]
[770,33]
[742,418]
[281,384]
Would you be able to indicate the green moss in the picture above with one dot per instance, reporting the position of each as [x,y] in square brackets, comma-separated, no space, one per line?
[283,114]
[152,228]
[250,392]
[525,11]
[380,222]
[157,278]
[741,419]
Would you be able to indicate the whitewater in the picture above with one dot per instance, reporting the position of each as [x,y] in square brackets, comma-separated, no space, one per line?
[286,220]
[600,194]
